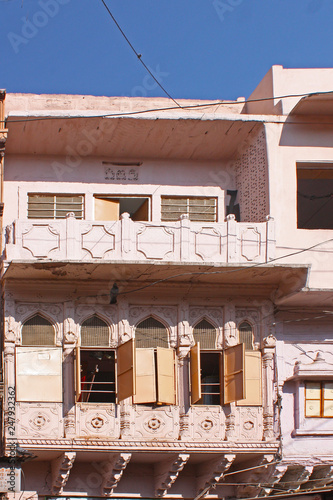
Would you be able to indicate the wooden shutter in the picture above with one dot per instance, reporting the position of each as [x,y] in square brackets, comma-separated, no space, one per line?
[166,386]
[78,388]
[234,373]
[106,209]
[142,212]
[253,389]
[195,371]
[39,374]
[126,370]
[145,376]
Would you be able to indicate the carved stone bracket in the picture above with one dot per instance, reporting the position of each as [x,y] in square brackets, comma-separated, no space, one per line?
[167,472]
[256,477]
[61,468]
[295,476]
[321,476]
[212,472]
[113,471]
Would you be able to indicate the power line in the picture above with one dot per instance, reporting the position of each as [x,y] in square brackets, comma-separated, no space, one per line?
[139,56]
[188,107]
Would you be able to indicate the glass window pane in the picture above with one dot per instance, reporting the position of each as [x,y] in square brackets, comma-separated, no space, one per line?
[312,409]
[328,390]
[328,408]
[312,390]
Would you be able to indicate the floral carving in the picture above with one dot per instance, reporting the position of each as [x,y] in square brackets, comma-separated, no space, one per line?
[154,423]
[97,422]
[207,424]
[38,421]
[248,425]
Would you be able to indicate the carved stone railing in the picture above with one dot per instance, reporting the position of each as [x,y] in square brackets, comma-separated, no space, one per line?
[126,240]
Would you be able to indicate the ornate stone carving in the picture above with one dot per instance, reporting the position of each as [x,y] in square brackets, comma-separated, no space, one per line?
[212,472]
[41,240]
[98,240]
[39,420]
[167,472]
[260,474]
[230,424]
[155,242]
[114,471]
[162,423]
[251,177]
[269,341]
[61,468]
[208,423]
[96,419]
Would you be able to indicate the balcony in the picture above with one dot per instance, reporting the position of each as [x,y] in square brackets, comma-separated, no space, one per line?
[138,242]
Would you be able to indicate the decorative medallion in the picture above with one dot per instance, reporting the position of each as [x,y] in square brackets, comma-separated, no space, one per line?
[38,421]
[248,425]
[153,424]
[97,422]
[207,424]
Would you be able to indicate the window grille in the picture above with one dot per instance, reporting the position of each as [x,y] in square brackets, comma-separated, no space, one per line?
[205,333]
[56,206]
[198,209]
[246,335]
[38,331]
[151,333]
[94,332]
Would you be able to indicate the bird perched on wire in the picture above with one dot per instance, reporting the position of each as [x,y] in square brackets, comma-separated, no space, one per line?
[114,293]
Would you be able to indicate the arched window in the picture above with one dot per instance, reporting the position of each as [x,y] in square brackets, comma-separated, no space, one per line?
[246,335]
[205,333]
[151,333]
[38,331]
[94,332]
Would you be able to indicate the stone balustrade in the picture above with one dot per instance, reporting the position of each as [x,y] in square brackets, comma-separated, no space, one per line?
[125,240]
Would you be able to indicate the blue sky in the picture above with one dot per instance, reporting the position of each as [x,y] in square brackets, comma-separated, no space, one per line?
[205,49]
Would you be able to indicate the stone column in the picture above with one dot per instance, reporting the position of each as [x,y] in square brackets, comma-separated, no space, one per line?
[268,353]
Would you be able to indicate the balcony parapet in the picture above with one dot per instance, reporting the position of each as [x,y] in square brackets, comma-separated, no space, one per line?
[182,241]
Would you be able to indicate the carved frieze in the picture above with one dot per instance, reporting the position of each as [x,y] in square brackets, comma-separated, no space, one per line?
[39,420]
[96,420]
[160,423]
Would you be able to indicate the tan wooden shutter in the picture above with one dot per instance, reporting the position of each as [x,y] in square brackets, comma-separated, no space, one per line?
[126,370]
[234,373]
[195,371]
[253,389]
[142,213]
[39,374]
[78,387]
[166,380]
[106,209]
[145,376]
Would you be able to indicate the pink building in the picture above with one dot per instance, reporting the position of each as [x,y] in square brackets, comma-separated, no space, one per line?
[167,292]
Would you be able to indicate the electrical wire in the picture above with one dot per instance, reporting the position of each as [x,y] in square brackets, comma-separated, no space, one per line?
[139,56]
[188,107]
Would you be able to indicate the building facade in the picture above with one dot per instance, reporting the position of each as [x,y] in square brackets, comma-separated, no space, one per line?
[167,294]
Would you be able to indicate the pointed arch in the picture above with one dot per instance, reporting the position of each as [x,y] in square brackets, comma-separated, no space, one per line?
[205,333]
[151,332]
[95,332]
[246,334]
[38,330]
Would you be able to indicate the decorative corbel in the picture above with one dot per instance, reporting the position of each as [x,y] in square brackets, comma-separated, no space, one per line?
[61,468]
[167,472]
[212,472]
[113,471]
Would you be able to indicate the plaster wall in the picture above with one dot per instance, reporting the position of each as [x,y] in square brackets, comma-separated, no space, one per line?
[89,176]
[280,81]
[300,341]
[286,146]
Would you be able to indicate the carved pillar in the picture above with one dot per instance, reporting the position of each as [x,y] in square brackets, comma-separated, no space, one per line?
[184,343]
[70,337]
[230,331]
[268,386]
